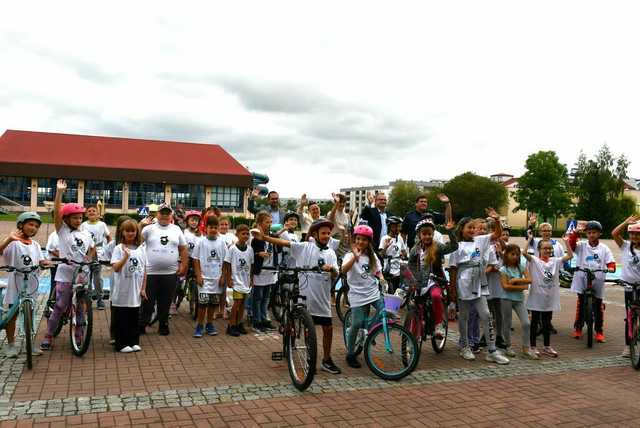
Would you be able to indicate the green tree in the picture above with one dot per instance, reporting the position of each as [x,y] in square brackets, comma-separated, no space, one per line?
[470,194]
[402,198]
[545,188]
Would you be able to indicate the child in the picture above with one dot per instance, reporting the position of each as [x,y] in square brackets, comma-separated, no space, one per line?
[52,251]
[514,279]
[467,266]
[315,253]
[192,235]
[208,258]
[630,266]
[288,233]
[129,262]
[496,292]
[544,292]
[21,251]
[591,255]
[265,255]
[393,248]
[425,258]
[475,341]
[223,231]
[106,255]
[237,269]
[101,236]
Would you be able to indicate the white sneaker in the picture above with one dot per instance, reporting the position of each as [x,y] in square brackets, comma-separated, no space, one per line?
[530,354]
[467,354]
[36,352]
[496,357]
[136,348]
[126,350]
[626,352]
[11,351]
[509,352]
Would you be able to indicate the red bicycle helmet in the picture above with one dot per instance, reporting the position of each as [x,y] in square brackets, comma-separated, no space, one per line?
[70,209]
[192,213]
[363,230]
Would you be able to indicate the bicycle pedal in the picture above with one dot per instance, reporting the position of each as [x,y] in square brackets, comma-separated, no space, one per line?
[277,356]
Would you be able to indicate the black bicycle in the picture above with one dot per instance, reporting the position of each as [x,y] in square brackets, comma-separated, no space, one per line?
[342,294]
[299,342]
[632,321]
[587,309]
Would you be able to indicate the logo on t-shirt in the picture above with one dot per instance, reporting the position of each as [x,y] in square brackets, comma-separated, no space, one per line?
[365,271]
[26,260]
[79,245]
[548,276]
[164,240]
[476,253]
[635,260]
[395,248]
[320,263]
[191,245]
[133,264]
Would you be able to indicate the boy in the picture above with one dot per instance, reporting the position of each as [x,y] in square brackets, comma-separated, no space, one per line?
[223,229]
[101,236]
[288,233]
[591,255]
[392,249]
[208,257]
[237,271]
[318,289]
[192,235]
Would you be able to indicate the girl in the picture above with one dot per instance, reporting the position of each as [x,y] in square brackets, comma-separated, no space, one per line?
[224,224]
[21,251]
[426,258]
[514,279]
[192,235]
[73,244]
[263,280]
[467,273]
[544,293]
[362,267]
[493,280]
[129,262]
[630,265]
[393,248]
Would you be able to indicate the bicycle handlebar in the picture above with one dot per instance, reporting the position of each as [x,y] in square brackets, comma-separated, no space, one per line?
[624,283]
[69,261]
[587,270]
[315,269]
[8,268]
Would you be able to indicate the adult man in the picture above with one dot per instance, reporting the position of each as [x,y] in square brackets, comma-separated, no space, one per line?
[273,199]
[421,212]
[342,222]
[376,217]
[308,212]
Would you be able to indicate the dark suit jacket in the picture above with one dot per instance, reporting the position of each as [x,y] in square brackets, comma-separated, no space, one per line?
[372,216]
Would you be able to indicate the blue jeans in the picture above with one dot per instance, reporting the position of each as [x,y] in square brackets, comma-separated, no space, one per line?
[259,302]
[359,317]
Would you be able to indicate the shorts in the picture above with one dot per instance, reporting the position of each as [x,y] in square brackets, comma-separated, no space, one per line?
[239,296]
[208,299]
[323,321]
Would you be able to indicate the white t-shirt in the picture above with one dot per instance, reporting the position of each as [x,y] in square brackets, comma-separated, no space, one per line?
[558,249]
[192,240]
[438,237]
[544,291]
[363,287]
[630,263]
[52,243]
[162,248]
[107,250]
[211,254]
[99,232]
[287,260]
[471,258]
[316,287]
[393,253]
[240,262]
[591,258]
[73,245]
[127,283]
[266,277]
[493,278]
[20,255]
[229,238]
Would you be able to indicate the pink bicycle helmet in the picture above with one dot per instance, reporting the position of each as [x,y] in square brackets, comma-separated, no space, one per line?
[363,230]
[192,212]
[69,209]
[634,227]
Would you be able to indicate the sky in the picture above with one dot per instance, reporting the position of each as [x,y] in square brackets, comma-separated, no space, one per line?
[333,94]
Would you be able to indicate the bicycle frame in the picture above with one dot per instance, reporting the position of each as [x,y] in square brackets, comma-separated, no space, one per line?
[23,294]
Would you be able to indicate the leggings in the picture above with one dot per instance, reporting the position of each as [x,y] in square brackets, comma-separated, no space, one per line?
[473,327]
[125,326]
[628,298]
[507,307]
[597,310]
[495,307]
[538,317]
[160,289]
[97,280]
[63,298]
[480,304]
[358,318]
[437,305]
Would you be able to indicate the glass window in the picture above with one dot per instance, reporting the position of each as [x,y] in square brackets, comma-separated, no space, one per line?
[46,190]
[227,197]
[17,189]
[190,196]
[142,194]
[109,191]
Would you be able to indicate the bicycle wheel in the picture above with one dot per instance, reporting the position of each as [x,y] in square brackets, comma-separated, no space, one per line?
[588,303]
[438,343]
[342,301]
[276,303]
[359,340]
[395,362]
[27,315]
[414,325]
[634,343]
[301,348]
[81,323]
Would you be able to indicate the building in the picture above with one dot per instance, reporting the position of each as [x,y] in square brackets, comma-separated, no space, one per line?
[357,196]
[124,173]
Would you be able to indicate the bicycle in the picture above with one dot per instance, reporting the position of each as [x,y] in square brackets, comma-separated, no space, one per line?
[587,306]
[390,350]
[419,318]
[342,294]
[299,341]
[79,312]
[632,321]
[24,304]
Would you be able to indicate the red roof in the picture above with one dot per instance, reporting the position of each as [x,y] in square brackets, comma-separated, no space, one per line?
[509,182]
[42,153]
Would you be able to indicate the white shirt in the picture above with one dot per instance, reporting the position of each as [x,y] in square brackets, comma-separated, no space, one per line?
[107,250]
[192,240]
[99,232]
[73,245]
[162,248]
[383,222]
[211,254]
[266,277]
[630,263]
[363,287]
[471,258]
[20,255]
[52,243]
[229,238]
[393,252]
[591,258]
[544,291]
[128,282]
[558,249]
[287,260]
[316,287]
[240,262]
[493,278]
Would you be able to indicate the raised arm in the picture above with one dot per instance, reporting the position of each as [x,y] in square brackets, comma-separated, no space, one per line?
[569,254]
[61,186]
[619,230]
[527,244]
[257,234]
[497,231]
[452,245]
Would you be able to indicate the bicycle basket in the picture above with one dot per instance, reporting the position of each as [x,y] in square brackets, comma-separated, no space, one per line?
[392,303]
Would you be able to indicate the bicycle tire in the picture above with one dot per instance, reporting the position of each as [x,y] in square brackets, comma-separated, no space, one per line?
[634,343]
[300,324]
[342,301]
[27,315]
[80,349]
[276,304]
[439,344]
[588,302]
[412,324]
[347,323]
[410,352]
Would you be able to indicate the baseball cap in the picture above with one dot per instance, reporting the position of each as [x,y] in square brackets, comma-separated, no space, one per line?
[165,206]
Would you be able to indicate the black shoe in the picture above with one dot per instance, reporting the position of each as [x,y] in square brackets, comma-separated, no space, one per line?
[241,329]
[483,342]
[500,343]
[163,330]
[329,366]
[475,348]
[268,326]
[142,331]
[233,331]
[352,361]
